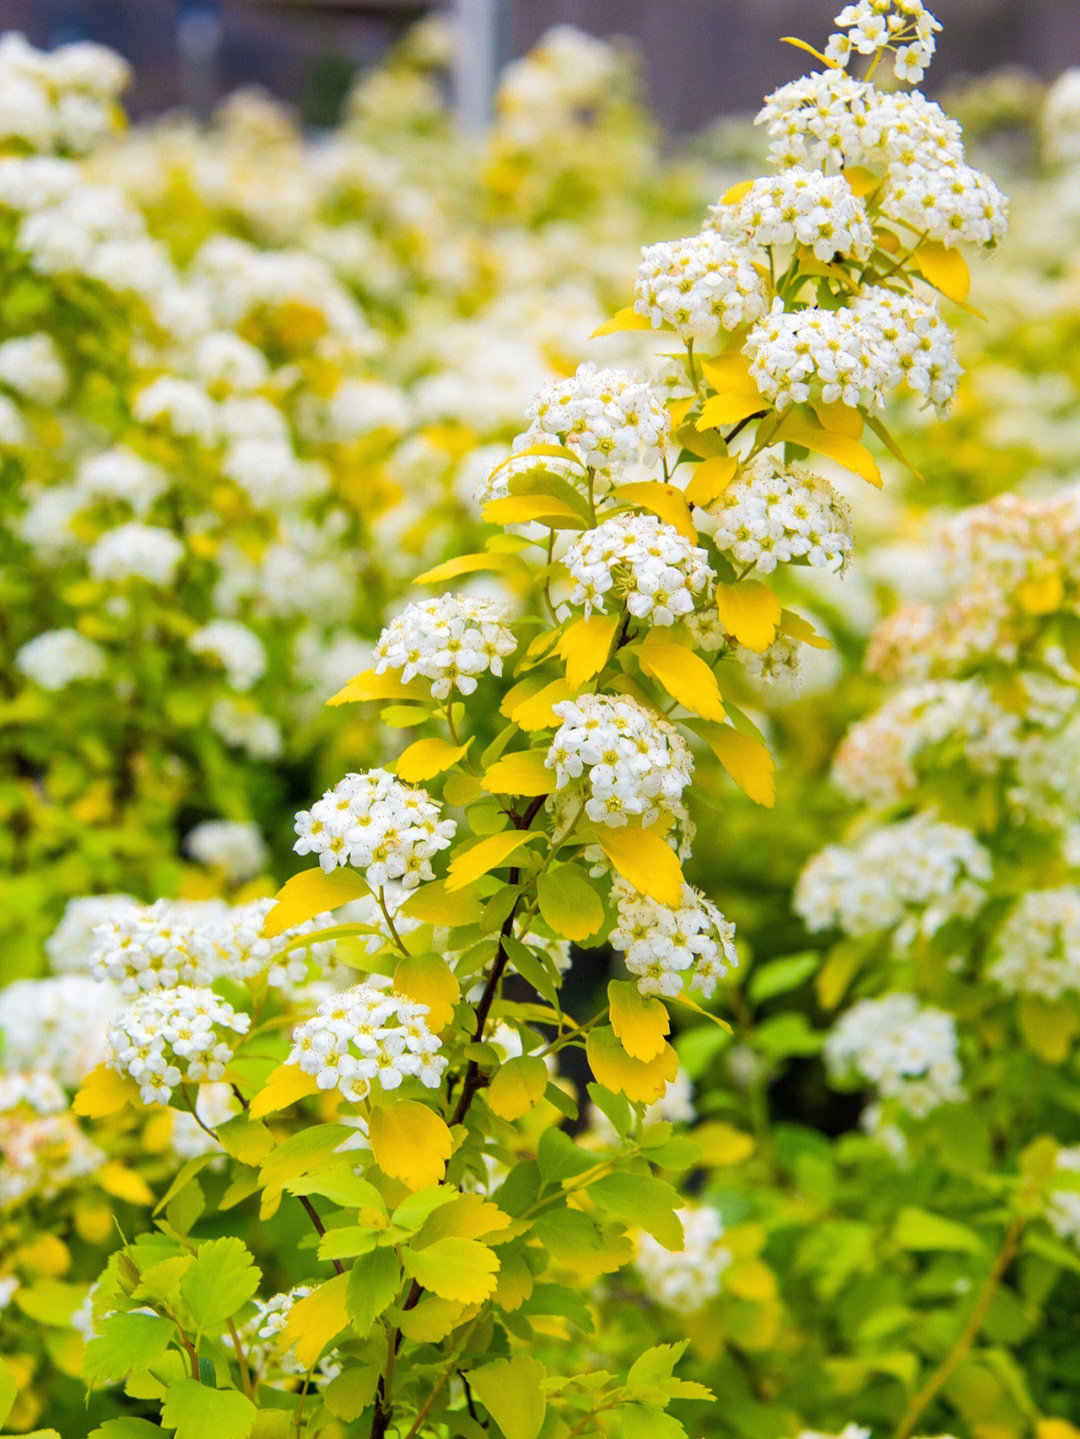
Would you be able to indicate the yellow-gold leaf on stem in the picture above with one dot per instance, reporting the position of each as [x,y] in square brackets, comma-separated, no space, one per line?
[735,194]
[800,628]
[533,711]
[860,180]
[410,1142]
[527,509]
[287,1085]
[802,45]
[839,418]
[722,1144]
[640,1024]
[517,1087]
[310,893]
[523,773]
[370,686]
[491,853]
[123,1183]
[585,646]
[432,904]
[730,371]
[625,319]
[463,1270]
[746,760]
[1041,594]
[945,268]
[425,758]
[750,611]
[666,501]
[849,453]
[622,1074]
[468,564]
[711,479]
[316,1319]
[729,408]
[428,979]
[683,674]
[645,860]
[104,1091]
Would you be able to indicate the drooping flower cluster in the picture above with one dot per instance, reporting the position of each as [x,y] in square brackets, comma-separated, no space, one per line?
[772,514]
[911,877]
[698,285]
[56,1025]
[799,207]
[610,419]
[905,1049]
[641,562]
[1037,949]
[665,948]
[367,1033]
[449,641]
[632,763]
[172,1036]
[684,1280]
[388,830]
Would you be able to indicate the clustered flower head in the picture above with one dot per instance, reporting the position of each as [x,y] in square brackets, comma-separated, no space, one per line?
[633,764]
[42,1148]
[911,877]
[386,829]
[665,948]
[610,419]
[137,551]
[817,355]
[639,561]
[1063,1209]
[236,648]
[59,658]
[56,1024]
[168,1037]
[63,100]
[1037,949]
[367,1033]
[698,285]
[684,1280]
[905,1049]
[235,847]
[449,641]
[799,207]
[915,342]
[904,27]
[773,513]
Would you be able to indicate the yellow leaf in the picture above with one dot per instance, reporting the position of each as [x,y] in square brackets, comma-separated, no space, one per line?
[457,1269]
[287,1084]
[517,1087]
[750,1279]
[104,1091]
[702,444]
[799,628]
[432,1319]
[370,686]
[410,1142]
[625,319]
[585,646]
[431,904]
[1049,1027]
[491,853]
[428,979]
[44,1255]
[645,861]
[425,758]
[851,454]
[467,564]
[468,1216]
[735,194]
[683,674]
[622,1074]
[802,45]
[750,611]
[1056,1429]
[533,711]
[639,1023]
[711,479]
[945,269]
[1041,594]
[730,372]
[310,893]
[123,1183]
[839,419]
[524,773]
[722,1144]
[316,1319]
[746,760]
[245,1139]
[730,408]
[860,180]
[666,501]
[679,409]
[527,509]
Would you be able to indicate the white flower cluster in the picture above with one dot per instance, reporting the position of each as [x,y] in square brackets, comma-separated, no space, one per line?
[120,475]
[906,1050]
[237,649]
[170,1036]
[235,847]
[684,1280]
[610,419]
[136,551]
[367,1033]
[915,342]
[665,948]
[774,514]
[633,762]
[42,1148]
[1037,949]
[372,821]
[1063,1210]
[849,1431]
[1060,118]
[57,1025]
[911,878]
[448,640]
[243,727]
[59,658]
[31,366]
[641,562]
[699,284]
[799,207]
[869,27]
[954,204]
[73,940]
[63,100]
[824,355]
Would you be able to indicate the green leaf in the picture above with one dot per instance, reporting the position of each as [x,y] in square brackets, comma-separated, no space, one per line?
[127,1344]
[8,1391]
[454,1268]
[510,1391]
[569,903]
[374,1281]
[347,1396]
[656,1366]
[615,1106]
[127,1428]
[781,975]
[197,1412]
[644,1202]
[222,1280]
[919,1229]
[562,1300]
[560,1158]
[640,1421]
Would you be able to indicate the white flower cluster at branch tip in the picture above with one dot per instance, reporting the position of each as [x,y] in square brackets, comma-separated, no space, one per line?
[640,562]
[610,419]
[911,878]
[63,100]
[665,949]
[168,1037]
[59,658]
[368,1033]
[698,285]
[235,847]
[773,513]
[1037,949]
[632,763]
[684,1280]
[449,641]
[56,1024]
[799,207]
[903,27]
[236,648]
[905,1049]
[386,829]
